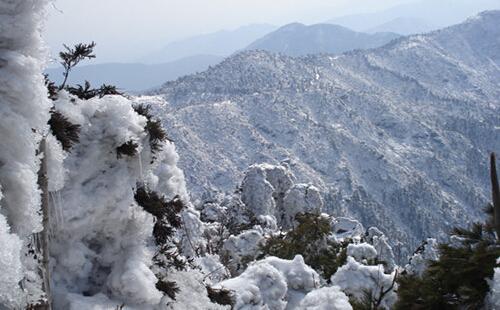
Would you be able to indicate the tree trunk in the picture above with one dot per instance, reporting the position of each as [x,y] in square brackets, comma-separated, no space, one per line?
[43,236]
[495,190]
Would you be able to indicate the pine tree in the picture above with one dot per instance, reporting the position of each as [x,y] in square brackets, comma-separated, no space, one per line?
[167,219]
[310,238]
[459,278]
[72,56]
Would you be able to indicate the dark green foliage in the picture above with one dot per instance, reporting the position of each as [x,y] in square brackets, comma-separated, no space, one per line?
[167,219]
[69,59]
[156,133]
[86,92]
[161,232]
[150,201]
[220,296]
[66,132]
[72,56]
[168,287]
[144,110]
[158,206]
[310,239]
[51,87]
[128,148]
[458,280]
[365,303]
[105,90]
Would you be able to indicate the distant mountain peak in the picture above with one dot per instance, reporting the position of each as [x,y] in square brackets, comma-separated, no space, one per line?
[299,40]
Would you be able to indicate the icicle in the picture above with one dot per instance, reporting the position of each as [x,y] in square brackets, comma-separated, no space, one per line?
[54,216]
[61,208]
[139,156]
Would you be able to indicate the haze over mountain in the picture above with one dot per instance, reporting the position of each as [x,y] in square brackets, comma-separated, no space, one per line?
[396,136]
[297,39]
[220,43]
[417,16]
[135,76]
[405,26]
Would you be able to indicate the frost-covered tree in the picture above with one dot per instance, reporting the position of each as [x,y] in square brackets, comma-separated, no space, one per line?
[24,110]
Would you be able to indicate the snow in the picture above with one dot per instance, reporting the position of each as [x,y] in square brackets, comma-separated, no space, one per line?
[212,268]
[493,299]
[380,166]
[326,298]
[384,251]
[300,198]
[270,190]
[242,247]
[347,228]
[24,111]
[24,108]
[104,244]
[273,283]
[426,253]
[10,264]
[355,278]
[193,294]
[362,252]
[101,254]
[55,164]
[260,286]
[257,192]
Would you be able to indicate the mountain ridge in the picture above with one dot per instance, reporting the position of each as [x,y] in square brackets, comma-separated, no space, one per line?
[135,76]
[396,136]
[298,39]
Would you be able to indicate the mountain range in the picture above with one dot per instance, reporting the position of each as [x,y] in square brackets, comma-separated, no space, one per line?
[293,40]
[414,17]
[298,40]
[396,136]
[135,76]
[221,43]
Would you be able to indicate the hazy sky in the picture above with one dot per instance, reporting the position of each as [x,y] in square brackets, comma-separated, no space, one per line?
[127,30]
[136,27]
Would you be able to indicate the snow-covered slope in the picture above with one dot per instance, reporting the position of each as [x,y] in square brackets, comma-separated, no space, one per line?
[298,40]
[397,136]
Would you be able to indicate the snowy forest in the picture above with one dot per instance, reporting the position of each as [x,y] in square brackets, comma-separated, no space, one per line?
[363,179]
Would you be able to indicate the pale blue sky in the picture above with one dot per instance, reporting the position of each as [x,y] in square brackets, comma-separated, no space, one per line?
[128,29]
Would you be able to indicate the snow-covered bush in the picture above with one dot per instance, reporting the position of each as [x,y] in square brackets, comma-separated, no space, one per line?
[326,298]
[380,242]
[300,198]
[426,253]
[312,238]
[241,249]
[347,228]
[362,252]
[366,284]
[273,283]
